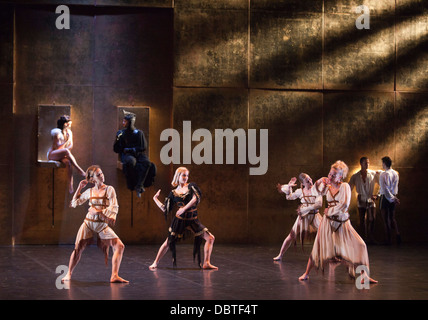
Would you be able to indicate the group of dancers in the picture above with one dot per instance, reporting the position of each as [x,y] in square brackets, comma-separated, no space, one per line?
[336,241]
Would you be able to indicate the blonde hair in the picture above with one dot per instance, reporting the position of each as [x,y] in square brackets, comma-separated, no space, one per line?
[90,172]
[177,175]
[341,167]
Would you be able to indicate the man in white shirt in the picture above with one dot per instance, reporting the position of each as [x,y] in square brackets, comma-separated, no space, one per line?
[388,182]
[364,182]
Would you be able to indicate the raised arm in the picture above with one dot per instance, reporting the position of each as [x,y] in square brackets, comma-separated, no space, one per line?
[78,197]
[158,202]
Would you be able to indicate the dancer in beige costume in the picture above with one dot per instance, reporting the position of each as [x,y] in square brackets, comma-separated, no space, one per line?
[337,240]
[308,219]
[103,209]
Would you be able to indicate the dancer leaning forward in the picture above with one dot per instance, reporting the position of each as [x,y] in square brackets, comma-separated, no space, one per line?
[336,240]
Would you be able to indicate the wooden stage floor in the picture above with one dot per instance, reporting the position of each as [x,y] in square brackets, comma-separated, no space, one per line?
[245,272]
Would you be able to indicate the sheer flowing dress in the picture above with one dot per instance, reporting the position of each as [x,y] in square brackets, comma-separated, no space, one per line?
[336,239]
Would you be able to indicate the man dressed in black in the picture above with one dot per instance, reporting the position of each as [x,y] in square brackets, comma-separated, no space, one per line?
[131,145]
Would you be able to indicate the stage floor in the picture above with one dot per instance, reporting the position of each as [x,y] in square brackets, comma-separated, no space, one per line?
[245,273]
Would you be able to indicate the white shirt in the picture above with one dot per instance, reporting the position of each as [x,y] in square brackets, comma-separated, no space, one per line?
[364,189]
[388,182]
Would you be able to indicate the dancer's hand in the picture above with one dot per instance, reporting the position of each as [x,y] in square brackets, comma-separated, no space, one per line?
[83,183]
[292,182]
[180,212]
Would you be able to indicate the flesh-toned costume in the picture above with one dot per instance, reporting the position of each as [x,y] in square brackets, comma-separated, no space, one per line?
[309,219]
[188,220]
[336,239]
[100,218]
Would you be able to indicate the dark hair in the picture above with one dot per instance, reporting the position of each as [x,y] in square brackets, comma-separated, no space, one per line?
[362,159]
[387,160]
[62,120]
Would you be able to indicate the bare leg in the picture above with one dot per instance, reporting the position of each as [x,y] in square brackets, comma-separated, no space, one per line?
[305,276]
[162,250]
[364,277]
[118,249]
[67,163]
[60,154]
[74,260]
[209,243]
[285,245]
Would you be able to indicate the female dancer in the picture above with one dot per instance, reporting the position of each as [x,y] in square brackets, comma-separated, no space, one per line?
[336,240]
[103,209]
[60,149]
[64,123]
[186,196]
[308,219]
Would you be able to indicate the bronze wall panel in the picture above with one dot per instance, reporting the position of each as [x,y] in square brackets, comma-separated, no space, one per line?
[358,59]
[42,49]
[286,50]
[411,130]
[210,47]
[287,5]
[137,3]
[349,6]
[356,125]
[412,53]
[130,47]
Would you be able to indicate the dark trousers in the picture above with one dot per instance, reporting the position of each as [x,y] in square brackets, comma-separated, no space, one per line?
[135,170]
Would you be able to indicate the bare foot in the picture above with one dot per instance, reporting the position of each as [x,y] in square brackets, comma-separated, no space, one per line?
[153,266]
[278,258]
[209,266]
[304,277]
[117,279]
[373,281]
[66,278]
